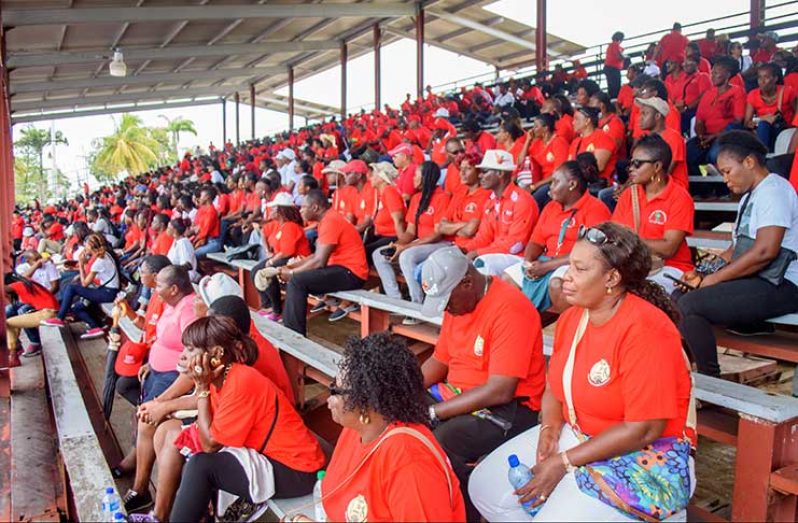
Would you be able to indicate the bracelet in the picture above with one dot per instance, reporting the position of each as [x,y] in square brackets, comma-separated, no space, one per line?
[567,462]
[203,394]
[433,416]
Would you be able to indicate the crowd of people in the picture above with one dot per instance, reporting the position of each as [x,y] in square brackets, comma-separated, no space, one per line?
[579,206]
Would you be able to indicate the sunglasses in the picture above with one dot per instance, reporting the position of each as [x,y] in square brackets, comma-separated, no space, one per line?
[637,164]
[335,390]
[595,236]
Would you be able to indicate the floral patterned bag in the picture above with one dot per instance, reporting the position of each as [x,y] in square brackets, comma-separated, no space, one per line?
[651,484]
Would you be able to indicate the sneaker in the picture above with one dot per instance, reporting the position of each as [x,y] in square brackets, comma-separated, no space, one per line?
[756,329]
[242,510]
[352,307]
[320,306]
[135,502]
[338,314]
[53,322]
[274,316]
[90,334]
[34,349]
[264,313]
[149,517]
[410,321]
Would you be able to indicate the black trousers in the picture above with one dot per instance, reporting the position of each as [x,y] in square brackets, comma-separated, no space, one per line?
[317,281]
[467,438]
[205,473]
[271,296]
[746,301]
[613,81]
[375,243]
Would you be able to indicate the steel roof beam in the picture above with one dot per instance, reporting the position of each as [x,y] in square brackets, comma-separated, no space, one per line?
[22,17]
[144,79]
[16,60]
[483,28]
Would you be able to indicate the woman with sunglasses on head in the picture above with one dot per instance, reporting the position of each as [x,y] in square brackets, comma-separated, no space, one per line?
[760,280]
[618,389]
[547,151]
[247,440]
[387,465]
[666,210]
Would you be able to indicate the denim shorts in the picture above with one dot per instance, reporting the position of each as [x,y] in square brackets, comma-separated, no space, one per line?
[156,383]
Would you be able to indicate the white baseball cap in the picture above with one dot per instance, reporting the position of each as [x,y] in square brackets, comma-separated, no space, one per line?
[497,160]
[281,199]
[211,288]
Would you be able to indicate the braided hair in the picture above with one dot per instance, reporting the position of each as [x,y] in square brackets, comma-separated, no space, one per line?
[430,174]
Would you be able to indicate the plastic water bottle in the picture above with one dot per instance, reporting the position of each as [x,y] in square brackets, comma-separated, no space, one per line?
[118,517]
[519,475]
[320,514]
[111,504]
[524,178]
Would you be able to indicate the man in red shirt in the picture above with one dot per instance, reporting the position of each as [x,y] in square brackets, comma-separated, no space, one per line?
[671,47]
[402,156]
[708,45]
[207,225]
[692,87]
[487,373]
[613,64]
[339,263]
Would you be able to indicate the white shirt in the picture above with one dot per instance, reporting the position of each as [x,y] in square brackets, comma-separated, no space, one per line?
[773,203]
[504,99]
[105,273]
[216,177]
[182,252]
[286,172]
[44,275]
[651,69]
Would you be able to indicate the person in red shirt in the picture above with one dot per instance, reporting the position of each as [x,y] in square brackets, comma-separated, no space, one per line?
[362,200]
[237,408]
[545,261]
[17,228]
[548,151]
[767,47]
[689,92]
[466,207]
[427,208]
[389,218]
[650,88]
[339,263]
[653,112]
[452,183]
[40,304]
[207,238]
[618,381]
[671,47]
[666,209]
[489,355]
[163,240]
[591,139]
[509,217]
[283,241]
[626,96]
[609,121]
[52,235]
[721,108]
[402,157]
[476,137]
[387,464]
[694,53]
[613,64]
[708,45]
[767,102]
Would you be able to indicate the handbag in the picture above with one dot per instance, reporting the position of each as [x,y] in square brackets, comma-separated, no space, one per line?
[651,484]
[774,272]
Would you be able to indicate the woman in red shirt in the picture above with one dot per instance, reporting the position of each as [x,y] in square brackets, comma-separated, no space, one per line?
[30,303]
[768,104]
[387,463]
[618,382]
[389,220]
[248,440]
[511,138]
[283,239]
[591,139]
[427,209]
[613,64]
[548,151]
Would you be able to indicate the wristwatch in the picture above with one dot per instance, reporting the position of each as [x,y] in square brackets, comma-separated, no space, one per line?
[433,416]
[567,462]
[203,394]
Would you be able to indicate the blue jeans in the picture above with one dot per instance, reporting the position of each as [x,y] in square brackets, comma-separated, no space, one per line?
[212,245]
[607,198]
[72,291]
[766,135]
[542,197]
[156,383]
[18,309]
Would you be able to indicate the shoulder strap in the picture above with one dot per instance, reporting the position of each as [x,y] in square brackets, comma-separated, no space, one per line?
[274,423]
[781,98]
[563,230]
[635,207]
[568,374]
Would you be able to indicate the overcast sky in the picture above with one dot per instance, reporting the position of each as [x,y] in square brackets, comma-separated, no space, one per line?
[586,22]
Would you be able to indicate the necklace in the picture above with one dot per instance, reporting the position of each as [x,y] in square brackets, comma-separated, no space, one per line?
[487,284]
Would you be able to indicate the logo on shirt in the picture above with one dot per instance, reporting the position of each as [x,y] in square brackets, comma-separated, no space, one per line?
[550,157]
[479,346]
[471,207]
[430,210]
[590,148]
[599,373]
[357,509]
[606,128]
[278,235]
[363,204]
[658,217]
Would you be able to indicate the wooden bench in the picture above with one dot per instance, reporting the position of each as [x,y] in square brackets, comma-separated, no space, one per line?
[710,178]
[241,270]
[79,447]
[716,206]
[709,240]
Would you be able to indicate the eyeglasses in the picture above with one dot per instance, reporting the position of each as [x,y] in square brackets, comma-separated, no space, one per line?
[335,390]
[595,236]
[637,164]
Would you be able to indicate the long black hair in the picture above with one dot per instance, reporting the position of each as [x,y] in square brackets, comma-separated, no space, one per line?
[30,285]
[430,174]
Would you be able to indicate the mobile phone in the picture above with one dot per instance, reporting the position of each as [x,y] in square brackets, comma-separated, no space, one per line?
[681,283]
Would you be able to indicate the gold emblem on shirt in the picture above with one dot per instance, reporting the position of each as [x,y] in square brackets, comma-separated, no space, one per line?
[590,148]
[278,235]
[599,373]
[358,509]
[479,346]
[550,157]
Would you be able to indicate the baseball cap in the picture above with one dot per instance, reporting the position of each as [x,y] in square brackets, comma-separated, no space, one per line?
[211,288]
[385,170]
[656,103]
[287,154]
[130,358]
[402,148]
[281,199]
[497,159]
[334,166]
[355,166]
[442,113]
[440,274]
[27,232]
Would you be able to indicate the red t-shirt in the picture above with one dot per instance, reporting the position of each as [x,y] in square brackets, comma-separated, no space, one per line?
[340,198]
[763,109]
[614,57]
[672,47]
[243,411]
[466,206]
[598,139]
[207,221]
[626,97]
[348,252]
[39,298]
[404,182]
[452,183]
[678,156]
[718,111]
[693,87]
[588,211]
[672,209]
[56,232]
[401,481]
[501,336]
[270,364]
[289,239]
[132,236]
[506,223]
[162,243]
[363,203]
[390,201]
[794,169]
[631,368]
[546,157]
[564,127]
[432,216]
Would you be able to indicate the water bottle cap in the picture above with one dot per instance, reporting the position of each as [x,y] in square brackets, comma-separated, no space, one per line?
[513,460]
[109,490]
[320,474]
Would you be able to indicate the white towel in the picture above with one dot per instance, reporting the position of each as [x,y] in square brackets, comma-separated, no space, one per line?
[259,472]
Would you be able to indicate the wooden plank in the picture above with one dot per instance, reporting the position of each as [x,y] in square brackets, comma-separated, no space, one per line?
[787,319]
[780,345]
[724,206]
[785,480]
[747,400]
[741,369]
[33,464]
[313,354]
[718,425]
[385,303]
[5,459]
[426,333]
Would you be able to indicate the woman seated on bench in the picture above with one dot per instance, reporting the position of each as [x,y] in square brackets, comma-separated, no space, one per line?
[247,441]
[618,382]
[387,464]
[760,280]
[546,258]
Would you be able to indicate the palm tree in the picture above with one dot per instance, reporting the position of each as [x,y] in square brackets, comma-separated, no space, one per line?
[175,127]
[131,148]
[32,144]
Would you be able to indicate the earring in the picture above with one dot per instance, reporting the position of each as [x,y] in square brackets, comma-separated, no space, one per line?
[609,290]
[364,419]
[215,362]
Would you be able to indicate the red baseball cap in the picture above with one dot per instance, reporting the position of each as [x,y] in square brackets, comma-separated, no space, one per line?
[130,358]
[355,166]
[402,148]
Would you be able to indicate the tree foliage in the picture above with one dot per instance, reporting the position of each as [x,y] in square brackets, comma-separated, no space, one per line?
[30,175]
